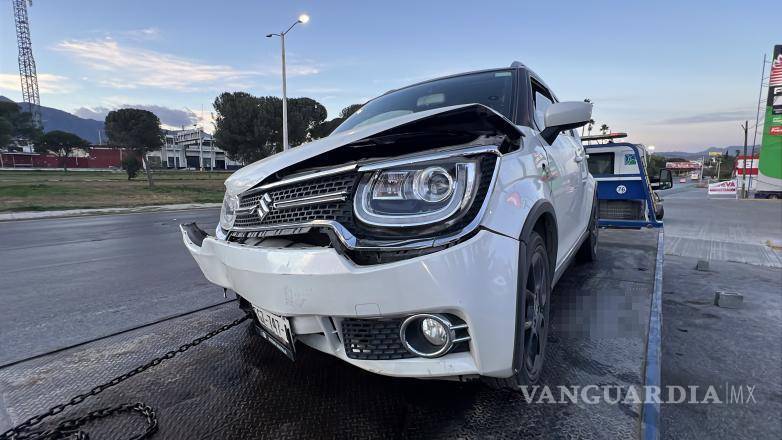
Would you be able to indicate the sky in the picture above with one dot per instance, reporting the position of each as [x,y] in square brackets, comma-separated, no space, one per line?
[680,75]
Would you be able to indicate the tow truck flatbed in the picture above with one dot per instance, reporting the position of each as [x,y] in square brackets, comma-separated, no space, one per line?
[237,386]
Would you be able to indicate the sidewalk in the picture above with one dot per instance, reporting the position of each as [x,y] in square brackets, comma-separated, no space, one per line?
[31,215]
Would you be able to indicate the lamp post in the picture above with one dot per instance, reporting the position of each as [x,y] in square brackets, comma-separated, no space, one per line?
[303,18]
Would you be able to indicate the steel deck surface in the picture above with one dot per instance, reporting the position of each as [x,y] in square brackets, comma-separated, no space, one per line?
[238,386]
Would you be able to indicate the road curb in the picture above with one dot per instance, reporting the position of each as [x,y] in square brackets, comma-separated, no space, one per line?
[650,411]
[34,215]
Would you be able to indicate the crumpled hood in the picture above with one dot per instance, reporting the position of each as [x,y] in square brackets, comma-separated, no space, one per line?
[250,175]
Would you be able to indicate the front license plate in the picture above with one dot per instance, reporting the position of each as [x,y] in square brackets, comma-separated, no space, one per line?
[277,330]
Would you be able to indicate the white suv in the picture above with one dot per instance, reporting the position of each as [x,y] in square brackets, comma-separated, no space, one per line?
[423,237]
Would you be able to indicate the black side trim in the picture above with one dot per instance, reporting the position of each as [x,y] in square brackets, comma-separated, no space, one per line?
[194,233]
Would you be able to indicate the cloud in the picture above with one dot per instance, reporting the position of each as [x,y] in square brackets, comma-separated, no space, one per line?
[170,117]
[150,33]
[701,118]
[132,67]
[47,83]
[126,67]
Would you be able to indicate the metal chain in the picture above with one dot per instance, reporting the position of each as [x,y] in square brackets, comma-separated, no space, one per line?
[70,428]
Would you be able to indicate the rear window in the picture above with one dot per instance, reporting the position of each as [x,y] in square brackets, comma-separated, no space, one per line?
[601,163]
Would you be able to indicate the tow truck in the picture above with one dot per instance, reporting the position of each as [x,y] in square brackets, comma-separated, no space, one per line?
[626,194]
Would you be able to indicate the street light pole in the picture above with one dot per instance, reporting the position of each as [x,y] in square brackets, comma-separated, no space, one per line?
[303,18]
[285,144]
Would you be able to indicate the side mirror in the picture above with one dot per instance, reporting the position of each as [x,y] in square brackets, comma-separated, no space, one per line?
[666,179]
[562,116]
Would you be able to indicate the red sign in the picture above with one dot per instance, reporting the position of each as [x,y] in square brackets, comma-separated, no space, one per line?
[776,131]
[726,187]
[692,165]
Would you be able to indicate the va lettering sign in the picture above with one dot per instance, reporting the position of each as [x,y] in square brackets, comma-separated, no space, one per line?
[727,187]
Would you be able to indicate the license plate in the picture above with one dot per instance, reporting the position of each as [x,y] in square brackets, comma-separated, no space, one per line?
[277,330]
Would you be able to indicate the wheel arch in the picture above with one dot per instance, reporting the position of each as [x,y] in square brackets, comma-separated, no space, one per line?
[541,215]
[542,218]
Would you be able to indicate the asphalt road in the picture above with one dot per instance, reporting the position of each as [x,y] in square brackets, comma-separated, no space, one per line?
[722,229]
[69,280]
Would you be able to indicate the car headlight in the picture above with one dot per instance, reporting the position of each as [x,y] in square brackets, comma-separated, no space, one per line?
[416,194]
[228,211]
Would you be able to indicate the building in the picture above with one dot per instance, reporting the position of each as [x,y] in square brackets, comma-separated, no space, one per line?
[192,149]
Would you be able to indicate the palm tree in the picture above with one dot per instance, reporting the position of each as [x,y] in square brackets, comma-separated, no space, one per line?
[604,129]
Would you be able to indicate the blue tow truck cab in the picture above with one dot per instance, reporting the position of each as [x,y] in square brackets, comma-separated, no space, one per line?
[625,193]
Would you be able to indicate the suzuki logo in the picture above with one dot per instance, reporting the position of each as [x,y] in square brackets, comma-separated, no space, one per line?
[263,206]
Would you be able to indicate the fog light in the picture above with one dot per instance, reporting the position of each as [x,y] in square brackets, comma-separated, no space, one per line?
[432,335]
[434,331]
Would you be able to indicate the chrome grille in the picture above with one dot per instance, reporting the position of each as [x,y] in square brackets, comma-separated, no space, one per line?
[332,210]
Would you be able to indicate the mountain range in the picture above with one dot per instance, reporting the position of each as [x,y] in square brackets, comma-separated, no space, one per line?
[55,119]
[705,153]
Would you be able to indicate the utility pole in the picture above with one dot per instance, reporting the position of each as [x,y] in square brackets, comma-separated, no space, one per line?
[200,151]
[303,18]
[757,114]
[703,165]
[744,127]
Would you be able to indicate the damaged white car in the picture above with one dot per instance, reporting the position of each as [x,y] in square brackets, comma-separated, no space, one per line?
[423,237]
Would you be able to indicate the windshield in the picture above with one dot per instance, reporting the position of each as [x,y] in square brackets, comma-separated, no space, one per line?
[492,89]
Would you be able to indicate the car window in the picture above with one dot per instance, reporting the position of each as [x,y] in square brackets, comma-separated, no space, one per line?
[541,100]
[493,89]
[601,163]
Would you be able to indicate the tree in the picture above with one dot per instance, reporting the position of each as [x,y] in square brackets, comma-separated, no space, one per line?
[60,144]
[16,124]
[604,129]
[656,163]
[138,130]
[131,165]
[304,114]
[236,130]
[589,129]
[326,127]
[249,128]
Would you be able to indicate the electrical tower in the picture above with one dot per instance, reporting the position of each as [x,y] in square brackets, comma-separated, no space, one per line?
[27,73]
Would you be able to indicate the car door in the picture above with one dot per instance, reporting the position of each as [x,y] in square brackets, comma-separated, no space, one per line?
[566,176]
[586,187]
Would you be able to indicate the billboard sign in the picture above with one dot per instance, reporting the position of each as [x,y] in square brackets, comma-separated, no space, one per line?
[770,163]
[728,187]
[691,165]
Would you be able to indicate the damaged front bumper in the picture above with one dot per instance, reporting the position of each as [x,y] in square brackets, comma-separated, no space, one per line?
[317,288]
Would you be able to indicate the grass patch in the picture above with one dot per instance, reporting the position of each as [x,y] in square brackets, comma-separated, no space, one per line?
[58,190]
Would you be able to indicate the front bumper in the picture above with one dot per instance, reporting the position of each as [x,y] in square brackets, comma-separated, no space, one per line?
[315,287]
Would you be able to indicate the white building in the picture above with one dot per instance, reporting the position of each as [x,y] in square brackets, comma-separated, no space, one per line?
[193,149]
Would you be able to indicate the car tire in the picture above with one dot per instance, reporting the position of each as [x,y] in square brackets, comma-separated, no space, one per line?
[659,215]
[533,318]
[587,253]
